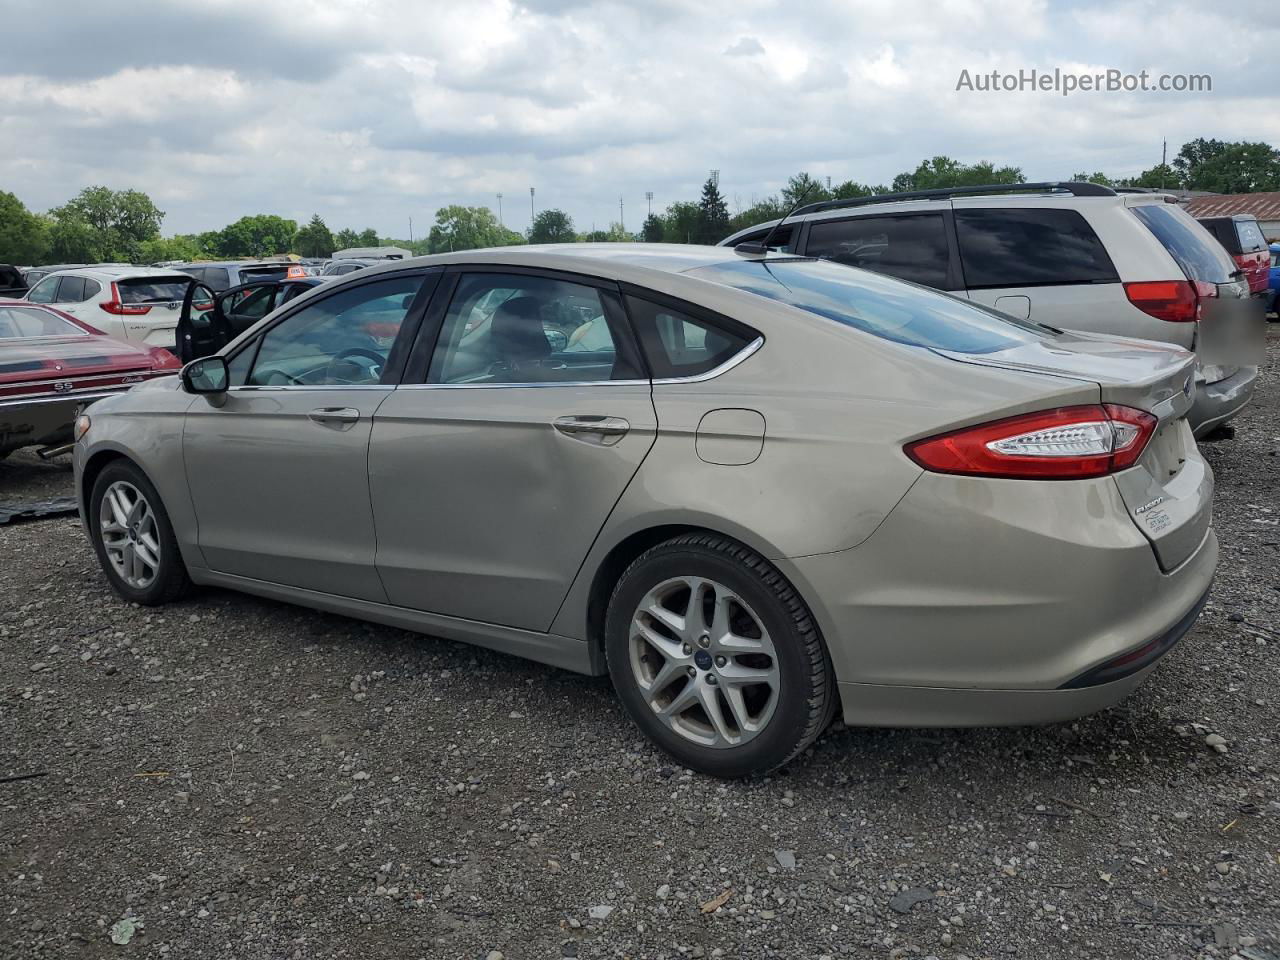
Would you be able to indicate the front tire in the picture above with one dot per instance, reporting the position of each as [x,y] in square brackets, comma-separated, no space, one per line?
[133,537]
[716,657]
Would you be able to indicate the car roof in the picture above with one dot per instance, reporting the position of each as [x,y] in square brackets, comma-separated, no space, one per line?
[114,272]
[605,259]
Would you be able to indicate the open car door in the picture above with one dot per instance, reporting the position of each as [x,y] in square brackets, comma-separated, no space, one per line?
[211,320]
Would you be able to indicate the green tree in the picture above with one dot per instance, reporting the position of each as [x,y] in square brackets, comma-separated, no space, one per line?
[74,241]
[368,237]
[259,235]
[552,226]
[345,239]
[1239,168]
[770,208]
[1193,154]
[1099,178]
[24,236]
[177,247]
[468,228]
[113,223]
[314,240]
[1161,176]
[945,172]
[652,229]
[851,189]
[713,213]
[680,222]
[804,185]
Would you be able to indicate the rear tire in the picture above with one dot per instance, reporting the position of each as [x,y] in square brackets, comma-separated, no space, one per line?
[133,537]
[716,657]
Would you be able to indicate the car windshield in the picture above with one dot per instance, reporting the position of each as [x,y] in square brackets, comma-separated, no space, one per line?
[19,322]
[881,306]
[152,290]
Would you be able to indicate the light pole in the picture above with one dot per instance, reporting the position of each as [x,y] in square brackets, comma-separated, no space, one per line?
[648,196]
[621,220]
[500,223]
[532,215]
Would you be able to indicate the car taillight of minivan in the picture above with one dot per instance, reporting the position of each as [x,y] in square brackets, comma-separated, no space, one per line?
[1177,301]
[115,307]
[1068,443]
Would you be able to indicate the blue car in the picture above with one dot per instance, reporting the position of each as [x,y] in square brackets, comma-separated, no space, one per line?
[1273,289]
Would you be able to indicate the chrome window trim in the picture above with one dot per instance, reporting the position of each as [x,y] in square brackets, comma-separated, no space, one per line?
[743,354]
[257,387]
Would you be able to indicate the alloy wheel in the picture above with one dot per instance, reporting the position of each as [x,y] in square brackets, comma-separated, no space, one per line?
[704,662]
[127,526]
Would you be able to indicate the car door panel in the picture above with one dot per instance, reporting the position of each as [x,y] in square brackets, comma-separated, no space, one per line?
[487,495]
[278,472]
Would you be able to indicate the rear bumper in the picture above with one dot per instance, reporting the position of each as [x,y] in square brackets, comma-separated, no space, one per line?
[28,421]
[1216,403]
[981,602]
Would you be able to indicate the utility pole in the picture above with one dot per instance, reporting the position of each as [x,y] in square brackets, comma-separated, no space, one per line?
[828,183]
[411,229]
[1164,158]
[500,223]
[532,215]
[648,196]
[621,221]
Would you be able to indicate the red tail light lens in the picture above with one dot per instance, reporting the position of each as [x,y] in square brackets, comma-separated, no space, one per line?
[1177,301]
[163,359]
[116,308]
[1069,443]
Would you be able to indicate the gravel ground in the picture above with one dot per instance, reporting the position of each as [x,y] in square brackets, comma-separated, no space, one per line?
[231,777]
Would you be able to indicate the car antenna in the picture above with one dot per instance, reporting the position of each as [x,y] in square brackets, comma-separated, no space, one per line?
[760,248]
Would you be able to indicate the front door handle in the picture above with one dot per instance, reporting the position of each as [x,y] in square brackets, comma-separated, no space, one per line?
[604,431]
[334,415]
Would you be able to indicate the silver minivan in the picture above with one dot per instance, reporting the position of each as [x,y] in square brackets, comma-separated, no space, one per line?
[1074,256]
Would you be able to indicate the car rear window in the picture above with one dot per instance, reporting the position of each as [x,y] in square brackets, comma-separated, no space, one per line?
[249,274]
[1029,248]
[19,322]
[1251,238]
[877,305]
[152,289]
[1191,245]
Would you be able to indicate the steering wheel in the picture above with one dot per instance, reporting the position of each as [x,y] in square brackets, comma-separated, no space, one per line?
[377,360]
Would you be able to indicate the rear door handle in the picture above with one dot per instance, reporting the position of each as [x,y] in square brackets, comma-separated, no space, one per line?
[604,431]
[334,415]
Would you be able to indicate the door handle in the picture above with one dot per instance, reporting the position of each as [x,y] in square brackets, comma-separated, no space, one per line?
[334,415]
[605,431]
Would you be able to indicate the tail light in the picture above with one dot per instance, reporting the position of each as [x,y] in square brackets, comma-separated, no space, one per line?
[1069,443]
[116,308]
[1177,301]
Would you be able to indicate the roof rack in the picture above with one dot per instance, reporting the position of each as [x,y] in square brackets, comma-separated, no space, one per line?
[1076,189]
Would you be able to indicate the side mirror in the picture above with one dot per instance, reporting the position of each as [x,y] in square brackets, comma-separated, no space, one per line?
[557,339]
[208,375]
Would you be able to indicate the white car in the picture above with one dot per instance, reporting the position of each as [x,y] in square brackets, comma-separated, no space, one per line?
[138,304]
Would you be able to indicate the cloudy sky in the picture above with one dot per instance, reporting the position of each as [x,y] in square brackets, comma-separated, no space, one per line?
[370,112]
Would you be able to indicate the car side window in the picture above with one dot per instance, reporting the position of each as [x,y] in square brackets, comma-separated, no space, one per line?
[91,288]
[911,247]
[217,279]
[518,328]
[677,344]
[19,322]
[1012,247]
[781,240]
[339,340]
[43,292]
[70,290]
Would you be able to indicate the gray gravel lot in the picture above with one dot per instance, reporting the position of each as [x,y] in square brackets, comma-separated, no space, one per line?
[231,777]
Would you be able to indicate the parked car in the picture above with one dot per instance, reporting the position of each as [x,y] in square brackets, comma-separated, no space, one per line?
[777,488]
[223,275]
[129,303]
[1242,238]
[12,283]
[1071,255]
[210,320]
[340,268]
[34,275]
[1274,281]
[51,363]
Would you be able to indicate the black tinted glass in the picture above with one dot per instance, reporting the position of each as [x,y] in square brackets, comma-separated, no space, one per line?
[679,345]
[911,248]
[70,290]
[1200,256]
[1030,247]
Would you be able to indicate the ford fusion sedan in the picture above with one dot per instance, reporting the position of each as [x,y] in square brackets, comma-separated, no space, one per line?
[754,490]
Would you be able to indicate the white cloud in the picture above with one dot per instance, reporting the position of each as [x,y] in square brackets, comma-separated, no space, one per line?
[370,113]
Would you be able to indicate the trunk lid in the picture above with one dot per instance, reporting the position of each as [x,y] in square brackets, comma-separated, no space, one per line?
[161,296]
[1169,491]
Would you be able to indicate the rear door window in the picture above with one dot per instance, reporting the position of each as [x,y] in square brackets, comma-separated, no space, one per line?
[1191,245]
[70,290]
[781,240]
[678,344]
[911,247]
[1029,248]
[1251,239]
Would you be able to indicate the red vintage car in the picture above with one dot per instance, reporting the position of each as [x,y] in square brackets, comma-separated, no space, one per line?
[51,364]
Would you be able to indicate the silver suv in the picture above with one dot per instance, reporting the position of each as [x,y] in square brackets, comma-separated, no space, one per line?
[1070,255]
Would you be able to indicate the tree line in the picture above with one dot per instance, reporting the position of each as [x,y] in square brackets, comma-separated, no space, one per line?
[102,225]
